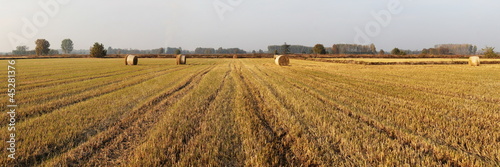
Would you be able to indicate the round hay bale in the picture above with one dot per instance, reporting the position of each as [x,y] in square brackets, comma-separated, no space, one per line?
[131,60]
[282,60]
[181,59]
[276,56]
[474,61]
[235,56]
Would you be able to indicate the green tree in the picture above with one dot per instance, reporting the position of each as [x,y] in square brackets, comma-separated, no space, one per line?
[53,52]
[67,46]
[396,51]
[20,50]
[285,49]
[177,52]
[97,50]
[275,52]
[319,49]
[425,51]
[489,52]
[161,50]
[42,47]
[382,52]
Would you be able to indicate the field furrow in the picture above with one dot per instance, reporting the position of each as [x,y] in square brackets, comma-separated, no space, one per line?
[113,143]
[265,144]
[468,120]
[181,123]
[86,119]
[62,96]
[332,139]
[380,101]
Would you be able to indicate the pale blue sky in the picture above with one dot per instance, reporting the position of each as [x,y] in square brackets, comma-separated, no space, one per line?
[251,24]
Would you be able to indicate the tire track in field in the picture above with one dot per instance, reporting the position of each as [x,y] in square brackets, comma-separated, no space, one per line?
[79,78]
[263,124]
[93,85]
[444,153]
[433,139]
[119,140]
[375,88]
[219,142]
[303,123]
[37,111]
[185,127]
[426,89]
[347,112]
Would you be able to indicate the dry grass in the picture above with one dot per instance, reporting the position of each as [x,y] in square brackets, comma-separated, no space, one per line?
[250,112]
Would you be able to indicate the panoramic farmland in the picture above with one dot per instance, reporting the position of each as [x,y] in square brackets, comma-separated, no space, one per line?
[251,112]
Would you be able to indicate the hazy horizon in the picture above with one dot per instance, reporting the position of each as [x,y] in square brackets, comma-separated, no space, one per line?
[249,25]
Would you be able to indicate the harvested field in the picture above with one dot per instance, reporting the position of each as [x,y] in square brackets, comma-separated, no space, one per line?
[251,112]
[408,61]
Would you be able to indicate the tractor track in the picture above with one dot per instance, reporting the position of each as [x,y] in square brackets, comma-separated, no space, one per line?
[107,147]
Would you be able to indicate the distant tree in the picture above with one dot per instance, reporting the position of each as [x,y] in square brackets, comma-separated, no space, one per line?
[443,50]
[382,52]
[98,51]
[161,51]
[285,49]
[177,52]
[373,49]
[110,50]
[335,49]
[67,46]
[253,51]
[42,47]
[207,52]
[261,51]
[236,51]
[275,52]
[424,51]
[319,49]
[220,50]
[489,52]
[53,52]
[21,50]
[396,51]
[433,51]
[474,49]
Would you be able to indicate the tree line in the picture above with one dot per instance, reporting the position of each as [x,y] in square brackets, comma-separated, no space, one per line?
[43,48]
[220,50]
